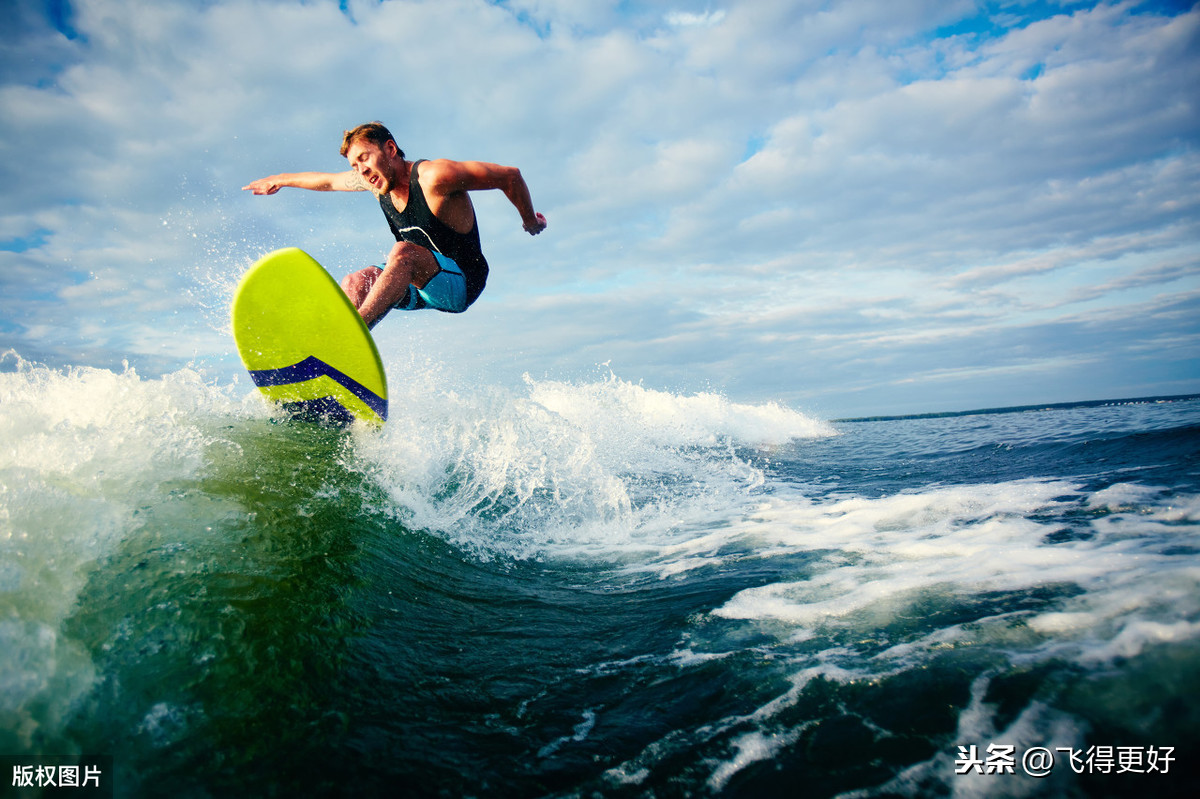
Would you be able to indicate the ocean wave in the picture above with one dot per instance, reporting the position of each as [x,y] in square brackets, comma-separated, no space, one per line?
[84,452]
[606,468]
[635,588]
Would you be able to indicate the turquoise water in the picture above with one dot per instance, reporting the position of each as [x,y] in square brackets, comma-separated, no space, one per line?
[592,588]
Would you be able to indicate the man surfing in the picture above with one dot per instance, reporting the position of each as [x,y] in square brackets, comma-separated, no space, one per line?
[437,261]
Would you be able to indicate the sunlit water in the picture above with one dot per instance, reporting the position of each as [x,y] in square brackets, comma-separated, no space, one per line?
[578,589]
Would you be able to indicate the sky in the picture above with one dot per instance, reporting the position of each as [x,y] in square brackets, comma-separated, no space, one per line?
[851,208]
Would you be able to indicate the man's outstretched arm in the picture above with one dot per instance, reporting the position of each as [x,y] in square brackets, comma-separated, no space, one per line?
[313,181]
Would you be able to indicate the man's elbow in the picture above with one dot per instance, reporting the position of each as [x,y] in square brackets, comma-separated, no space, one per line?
[513,180]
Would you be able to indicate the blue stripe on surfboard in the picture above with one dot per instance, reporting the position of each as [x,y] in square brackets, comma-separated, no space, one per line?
[312,367]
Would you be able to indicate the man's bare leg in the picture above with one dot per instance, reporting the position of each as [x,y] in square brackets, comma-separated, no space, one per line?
[357,285]
[374,292]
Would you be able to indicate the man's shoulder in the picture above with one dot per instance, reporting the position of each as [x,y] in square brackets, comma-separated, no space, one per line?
[439,175]
[432,168]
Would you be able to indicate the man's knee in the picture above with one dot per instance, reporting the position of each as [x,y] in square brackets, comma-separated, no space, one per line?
[414,259]
[358,284]
[404,251]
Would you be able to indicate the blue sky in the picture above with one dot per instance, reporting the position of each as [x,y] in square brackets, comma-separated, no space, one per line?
[852,208]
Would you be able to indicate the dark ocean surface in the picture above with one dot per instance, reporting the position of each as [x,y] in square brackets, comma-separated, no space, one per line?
[595,589]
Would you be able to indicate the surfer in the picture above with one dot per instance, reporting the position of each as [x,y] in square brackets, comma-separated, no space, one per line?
[437,261]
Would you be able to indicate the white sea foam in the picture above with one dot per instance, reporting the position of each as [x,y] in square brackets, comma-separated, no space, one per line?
[81,451]
[607,468]
[611,407]
[582,730]
[880,560]
[1038,725]
[751,747]
[1111,591]
[894,551]
[490,471]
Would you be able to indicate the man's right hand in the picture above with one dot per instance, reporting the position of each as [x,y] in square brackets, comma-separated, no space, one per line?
[313,181]
[264,185]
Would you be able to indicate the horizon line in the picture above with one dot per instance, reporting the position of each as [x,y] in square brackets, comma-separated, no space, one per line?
[1046,406]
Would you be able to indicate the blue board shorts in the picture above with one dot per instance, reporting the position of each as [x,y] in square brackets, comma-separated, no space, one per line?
[445,291]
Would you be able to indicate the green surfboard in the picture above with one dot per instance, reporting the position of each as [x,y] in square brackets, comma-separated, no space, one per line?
[305,345]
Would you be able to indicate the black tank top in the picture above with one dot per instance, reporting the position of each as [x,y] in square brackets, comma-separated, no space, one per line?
[417,224]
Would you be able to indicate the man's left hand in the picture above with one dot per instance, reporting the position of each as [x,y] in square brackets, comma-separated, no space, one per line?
[537,226]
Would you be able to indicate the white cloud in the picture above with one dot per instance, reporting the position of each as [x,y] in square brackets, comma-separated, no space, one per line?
[685,19]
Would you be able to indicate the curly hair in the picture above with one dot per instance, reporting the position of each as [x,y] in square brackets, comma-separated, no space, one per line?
[373,132]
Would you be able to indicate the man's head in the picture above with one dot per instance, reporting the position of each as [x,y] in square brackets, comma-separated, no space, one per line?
[374,155]
[373,132]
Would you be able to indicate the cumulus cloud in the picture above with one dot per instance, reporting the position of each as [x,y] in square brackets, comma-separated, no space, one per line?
[688,19]
[833,204]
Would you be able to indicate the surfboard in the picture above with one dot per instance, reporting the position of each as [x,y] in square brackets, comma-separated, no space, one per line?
[304,344]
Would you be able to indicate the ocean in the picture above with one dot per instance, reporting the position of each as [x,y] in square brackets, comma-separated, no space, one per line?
[593,588]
